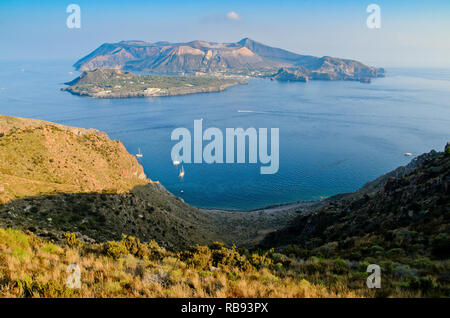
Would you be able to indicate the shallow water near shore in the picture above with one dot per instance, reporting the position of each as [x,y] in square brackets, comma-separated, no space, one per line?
[334,136]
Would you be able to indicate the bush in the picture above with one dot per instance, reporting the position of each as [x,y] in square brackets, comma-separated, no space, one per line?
[72,240]
[395,253]
[362,266]
[281,258]
[261,261]
[115,249]
[135,247]
[340,266]
[423,263]
[51,248]
[50,289]
[198,256]
[155,251]
[376,249]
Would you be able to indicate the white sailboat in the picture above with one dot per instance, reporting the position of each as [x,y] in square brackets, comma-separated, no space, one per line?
[139,155]
[181,175]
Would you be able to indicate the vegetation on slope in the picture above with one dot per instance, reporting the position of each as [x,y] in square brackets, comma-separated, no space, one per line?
[400,222]
[55,179]
[32,267]
[38,157]
[111,83]
[404,227]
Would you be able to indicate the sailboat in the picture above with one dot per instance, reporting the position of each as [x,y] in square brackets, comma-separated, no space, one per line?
[139,155]
[181,175]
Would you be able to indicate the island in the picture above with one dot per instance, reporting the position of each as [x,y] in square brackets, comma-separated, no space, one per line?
[115,83]
[246,58]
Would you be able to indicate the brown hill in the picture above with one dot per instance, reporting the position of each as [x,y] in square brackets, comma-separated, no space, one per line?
[39,157]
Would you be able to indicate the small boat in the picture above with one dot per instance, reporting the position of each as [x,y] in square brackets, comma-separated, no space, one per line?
[139,155]
[181,175]
[176,163]
[182,191]
[408,154]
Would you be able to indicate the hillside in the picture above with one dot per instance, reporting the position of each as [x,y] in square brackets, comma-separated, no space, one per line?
[246,57]
[132,238]
[38,157]
[55,178]
[112,83]
[405,213]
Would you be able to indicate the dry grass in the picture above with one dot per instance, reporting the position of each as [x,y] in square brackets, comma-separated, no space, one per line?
[31,267]
[37,158]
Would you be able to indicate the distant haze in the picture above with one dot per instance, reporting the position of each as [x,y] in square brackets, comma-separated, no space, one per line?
[412,33]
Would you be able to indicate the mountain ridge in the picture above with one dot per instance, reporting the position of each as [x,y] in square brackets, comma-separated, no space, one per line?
[245,58]
[407,209]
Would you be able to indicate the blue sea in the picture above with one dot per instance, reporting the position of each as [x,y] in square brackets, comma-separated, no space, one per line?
[334,136]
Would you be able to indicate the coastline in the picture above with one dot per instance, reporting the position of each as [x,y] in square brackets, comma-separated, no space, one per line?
[248,228]
[88,85]
[271,207]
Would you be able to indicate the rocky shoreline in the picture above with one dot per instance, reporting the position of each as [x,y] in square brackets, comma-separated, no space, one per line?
[154,92]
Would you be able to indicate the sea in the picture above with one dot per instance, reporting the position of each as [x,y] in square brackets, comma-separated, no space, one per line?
[333,136]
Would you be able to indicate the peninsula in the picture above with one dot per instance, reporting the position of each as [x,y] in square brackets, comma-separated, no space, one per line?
[115,83]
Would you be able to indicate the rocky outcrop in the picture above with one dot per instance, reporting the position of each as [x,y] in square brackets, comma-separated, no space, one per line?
[295,75]
[329,69]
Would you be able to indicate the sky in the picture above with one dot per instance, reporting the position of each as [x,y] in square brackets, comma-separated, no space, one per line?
[412,33]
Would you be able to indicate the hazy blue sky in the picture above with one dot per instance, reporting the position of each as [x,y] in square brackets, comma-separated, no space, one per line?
[413,33]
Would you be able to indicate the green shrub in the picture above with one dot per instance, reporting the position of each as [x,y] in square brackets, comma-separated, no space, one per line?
[155,251]
[423,263]
[395,253]
[340,266]
[362,266]
[72,240]
[50,289]
[197,256]
[376,249]
[260,261]
[281,258]
[115,249]
[51,248]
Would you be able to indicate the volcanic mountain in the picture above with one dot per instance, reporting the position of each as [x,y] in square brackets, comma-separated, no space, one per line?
[246,57]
